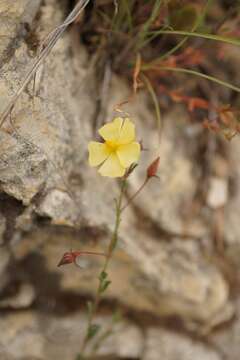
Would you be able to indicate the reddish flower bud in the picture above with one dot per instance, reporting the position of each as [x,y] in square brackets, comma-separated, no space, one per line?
[153,168]
[69,258]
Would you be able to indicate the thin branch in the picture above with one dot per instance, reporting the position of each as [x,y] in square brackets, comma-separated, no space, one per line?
[135,195]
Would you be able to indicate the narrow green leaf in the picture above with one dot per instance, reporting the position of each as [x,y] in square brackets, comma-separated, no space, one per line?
[199,74]
[144,31]
[224,39]
[103,275]
[93,330]
[104,285]
[156,105]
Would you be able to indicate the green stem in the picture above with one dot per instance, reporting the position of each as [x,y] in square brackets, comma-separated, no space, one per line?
[156,105]
[114,239]
[143,32]
[191,72]
[111,248]
[213,37]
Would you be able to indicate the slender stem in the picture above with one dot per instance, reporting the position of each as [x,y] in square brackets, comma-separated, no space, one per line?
[156,105]
[91,253]
[207,36]
[114,239]
[110,250]
[143,32]
[135,194]
[191,72]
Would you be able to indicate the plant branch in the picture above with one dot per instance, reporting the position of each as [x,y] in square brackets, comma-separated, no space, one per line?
[103,273]
[135,194]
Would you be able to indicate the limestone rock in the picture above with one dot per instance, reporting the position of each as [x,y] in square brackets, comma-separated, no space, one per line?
[231,224]
[23,168]
[53,131]
[14,16]
[2,228]
[217,193]
[34,335]
[59,206]
[23,299]
[67,204]
[162,344]
[35,152]
[4,262]
[172,279]
[229,335]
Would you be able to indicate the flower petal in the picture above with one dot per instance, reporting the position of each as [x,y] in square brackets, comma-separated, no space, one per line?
[127,132]
[112,167]
[128,154]
[111,131]
[98,153]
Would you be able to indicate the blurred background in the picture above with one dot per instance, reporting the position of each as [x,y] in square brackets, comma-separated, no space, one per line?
[173,66]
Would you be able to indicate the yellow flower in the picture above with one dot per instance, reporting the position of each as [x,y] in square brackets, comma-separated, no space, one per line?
[118,152]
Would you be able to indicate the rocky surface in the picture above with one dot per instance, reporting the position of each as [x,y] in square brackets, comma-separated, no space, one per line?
[162,344]
[15,19]
[165,266]
[40,336]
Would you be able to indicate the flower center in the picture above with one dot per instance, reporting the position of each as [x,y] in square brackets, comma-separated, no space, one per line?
[112,145]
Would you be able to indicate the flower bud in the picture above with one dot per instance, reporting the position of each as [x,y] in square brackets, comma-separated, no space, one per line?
[153,168]
[69,258]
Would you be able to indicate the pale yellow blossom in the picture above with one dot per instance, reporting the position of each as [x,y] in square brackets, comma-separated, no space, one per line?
[118,152]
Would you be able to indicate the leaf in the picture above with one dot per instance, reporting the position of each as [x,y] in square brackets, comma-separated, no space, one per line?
[93,330]
[208,36]
[197,103]
[104,285]
[103,275]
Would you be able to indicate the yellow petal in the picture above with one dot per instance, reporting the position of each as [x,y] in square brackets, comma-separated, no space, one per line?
[127,132]
[98,153]
[128,154]
[112,167]
[111,131]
